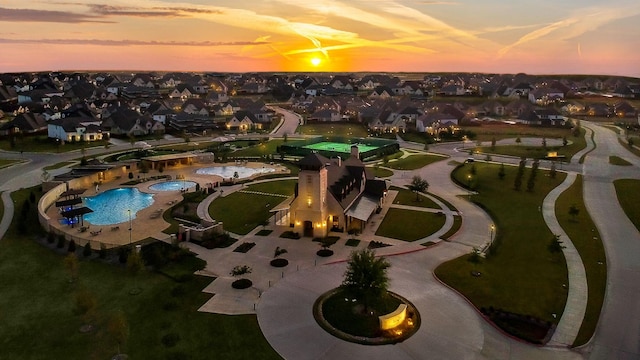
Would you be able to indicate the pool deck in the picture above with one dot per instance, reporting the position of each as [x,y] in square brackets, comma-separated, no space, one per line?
[148,222]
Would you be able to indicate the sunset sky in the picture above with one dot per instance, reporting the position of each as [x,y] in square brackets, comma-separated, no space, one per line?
[501,36]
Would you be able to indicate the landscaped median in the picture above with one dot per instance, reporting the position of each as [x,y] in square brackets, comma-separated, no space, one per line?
[521,285]
[585,237]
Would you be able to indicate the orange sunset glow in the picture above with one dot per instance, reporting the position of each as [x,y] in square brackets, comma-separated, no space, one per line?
[324,35]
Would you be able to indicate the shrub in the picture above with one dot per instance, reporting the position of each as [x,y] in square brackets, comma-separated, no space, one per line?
[51,238]
[178,291]
[241,284]
[72,246]
[60,242]
[170,305]
[123,254]
[324,252]
[102,253]
[244,247]
[279,262]
[86,251]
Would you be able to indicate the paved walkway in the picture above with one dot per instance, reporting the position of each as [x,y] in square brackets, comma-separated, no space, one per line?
[578,292]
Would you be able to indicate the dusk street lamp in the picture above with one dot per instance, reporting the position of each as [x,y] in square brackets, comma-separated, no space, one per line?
[493,229]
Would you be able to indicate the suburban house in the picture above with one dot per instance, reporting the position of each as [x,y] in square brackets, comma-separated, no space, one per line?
[243,121]
[325,115]
[25,123]
[74,129]
[332,195]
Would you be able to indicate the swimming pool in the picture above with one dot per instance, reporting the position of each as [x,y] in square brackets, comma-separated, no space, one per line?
[229,171]
[172,185]
[112,206]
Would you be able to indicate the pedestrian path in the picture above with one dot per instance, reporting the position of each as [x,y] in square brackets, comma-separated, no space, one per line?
[577,295]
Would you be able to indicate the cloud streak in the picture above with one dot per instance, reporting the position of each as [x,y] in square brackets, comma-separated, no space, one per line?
[32,15]
[103,42]
[581,22]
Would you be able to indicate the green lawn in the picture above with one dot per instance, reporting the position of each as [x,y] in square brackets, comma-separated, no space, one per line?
[618,161]
[334,129]
[409,225]
[283,187]
[629,204]
[59,165]
[414,162]
[44,144]
[267,148]
[508,131]
[242,219]
[521,275]
[408,197]
[37,305]
[380,172]
[4,162]
[537,152]
[585,237]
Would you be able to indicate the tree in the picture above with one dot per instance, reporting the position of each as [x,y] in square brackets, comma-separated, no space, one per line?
[553,171]
[366,276]
[86,250]
[118,328]
[532,176]
[517,182]
[573,212]
[285,137]
[518,140]
[555,245]
[134,263]
[71,264]
[493,143]
[630,142]
[418,185]
[565,142]
[501,173]
[45,176]
[544,142]
[86,304]
[279,251]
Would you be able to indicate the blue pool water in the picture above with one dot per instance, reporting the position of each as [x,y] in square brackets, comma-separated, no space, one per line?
[172,185]
[228,171]
[111,207]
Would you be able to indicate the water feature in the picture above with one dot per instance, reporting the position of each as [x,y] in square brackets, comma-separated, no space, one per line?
[174,185]
[116,205]
[228,171]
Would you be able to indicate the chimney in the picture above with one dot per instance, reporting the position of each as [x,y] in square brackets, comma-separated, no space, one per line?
[355,152]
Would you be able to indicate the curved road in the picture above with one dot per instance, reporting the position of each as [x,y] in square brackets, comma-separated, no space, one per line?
[618,332]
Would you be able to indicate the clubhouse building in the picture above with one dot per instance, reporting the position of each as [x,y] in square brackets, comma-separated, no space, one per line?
[332,195]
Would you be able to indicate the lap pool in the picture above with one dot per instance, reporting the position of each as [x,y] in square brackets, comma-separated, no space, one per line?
[172,185]
[229,171]
[112,206]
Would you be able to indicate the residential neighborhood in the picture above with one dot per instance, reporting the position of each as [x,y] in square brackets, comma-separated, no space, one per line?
[72,107]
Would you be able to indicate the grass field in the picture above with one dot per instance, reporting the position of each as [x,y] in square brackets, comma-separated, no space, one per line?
[402,224]
[521,275]
[242,219]
[380,172]
[413,162]
[39,320]
[334,129]
[4,162]
[408,197]
[267,148]
[538,152]
[44,144]
[629,204]
[585,237]
[618,161]
[59,165]
[501,131]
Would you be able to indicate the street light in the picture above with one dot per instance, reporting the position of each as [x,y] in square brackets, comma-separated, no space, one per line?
[130,226]
[493,228]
